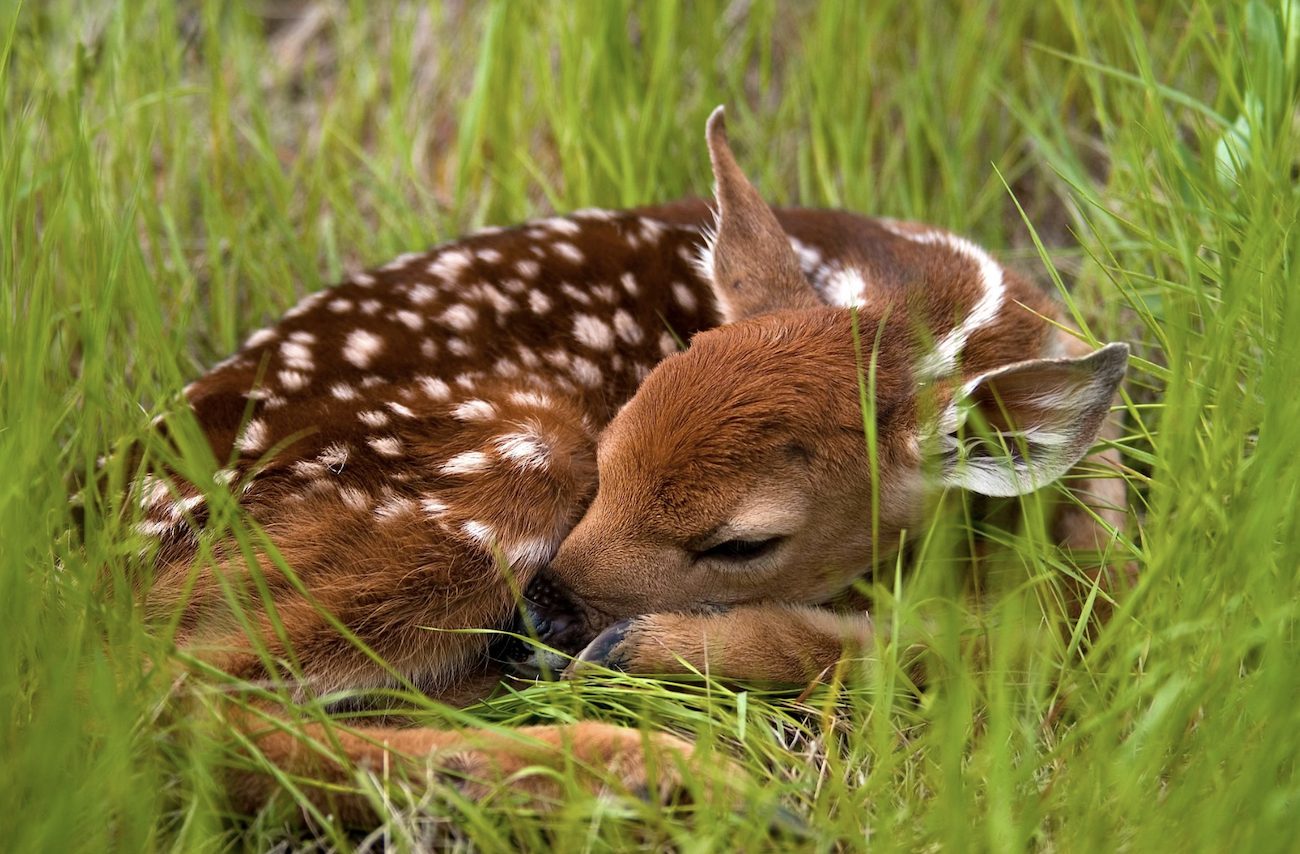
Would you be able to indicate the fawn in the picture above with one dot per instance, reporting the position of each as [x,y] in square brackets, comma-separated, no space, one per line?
[510,411]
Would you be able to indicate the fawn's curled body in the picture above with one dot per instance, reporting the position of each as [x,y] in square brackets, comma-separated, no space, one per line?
[426,439]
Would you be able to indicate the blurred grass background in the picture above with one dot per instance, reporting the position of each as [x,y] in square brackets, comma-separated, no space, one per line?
[174,175]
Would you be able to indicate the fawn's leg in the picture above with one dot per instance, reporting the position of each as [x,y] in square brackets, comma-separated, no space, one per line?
[530,762]
[766,643]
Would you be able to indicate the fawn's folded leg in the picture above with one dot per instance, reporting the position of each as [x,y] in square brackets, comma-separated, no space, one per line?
[769,643]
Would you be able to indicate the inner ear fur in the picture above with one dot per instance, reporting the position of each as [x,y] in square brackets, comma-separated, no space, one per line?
[750,263]
[1018,428]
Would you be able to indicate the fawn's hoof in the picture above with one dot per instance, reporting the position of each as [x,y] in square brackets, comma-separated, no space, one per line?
[611,648]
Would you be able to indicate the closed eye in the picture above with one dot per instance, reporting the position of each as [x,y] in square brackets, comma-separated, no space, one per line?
[736,551]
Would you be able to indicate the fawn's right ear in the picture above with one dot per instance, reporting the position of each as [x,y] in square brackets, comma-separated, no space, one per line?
[1018,428]
[749,262]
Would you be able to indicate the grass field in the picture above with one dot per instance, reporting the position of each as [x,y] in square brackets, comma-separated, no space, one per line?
[173,176]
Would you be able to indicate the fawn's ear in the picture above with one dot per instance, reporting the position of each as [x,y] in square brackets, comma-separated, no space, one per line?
[750,263]
[1026,424]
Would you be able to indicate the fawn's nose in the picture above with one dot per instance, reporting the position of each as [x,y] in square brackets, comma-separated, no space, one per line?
[559,618]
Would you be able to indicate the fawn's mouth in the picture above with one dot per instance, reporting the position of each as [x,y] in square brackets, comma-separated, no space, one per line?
[559,620]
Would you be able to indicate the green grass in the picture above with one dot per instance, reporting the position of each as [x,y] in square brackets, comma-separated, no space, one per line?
[173,176]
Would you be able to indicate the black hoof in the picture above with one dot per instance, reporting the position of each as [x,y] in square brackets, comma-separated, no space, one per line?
[606,650]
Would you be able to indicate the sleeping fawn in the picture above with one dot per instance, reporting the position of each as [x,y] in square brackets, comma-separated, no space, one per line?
[510,412]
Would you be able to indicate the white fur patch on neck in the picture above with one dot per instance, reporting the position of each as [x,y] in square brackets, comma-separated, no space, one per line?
[942,360]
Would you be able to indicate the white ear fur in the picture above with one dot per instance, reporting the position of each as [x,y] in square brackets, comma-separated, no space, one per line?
[1035,420]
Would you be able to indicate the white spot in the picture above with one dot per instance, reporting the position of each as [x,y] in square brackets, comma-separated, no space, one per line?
[604,292]
[466,462]
[343,391]
[846,287]
[152,527]
[593,213]
[558,358]
[260,337]
[393,508]
[302,336]
[428,348]
[474,410]
[528,268]
[684,297]
[459,347]
[628,281]
[505,368]
[334,456]
[539,302]
[186,505]
[530,552]
[224,477]
[531,398]
[399,409]
[370,381]
[361,347]
[651,230]
[502,303]
[401,261]
[628,330]
[253,438]
[373,418]
[810,257]
[385,446]
[371,306]
[422,293]
[460,317]
[340,305]
[450,263]
[593,332]
[667,344]
[273,401]
[306,304]
[435,388]
[527,356]
[410,319]
[489,256]
[365,280]
[514,286]
[433,506]
[355,499]
[568,252]
[559,225]
[297,355]
[309,469]
[293,380]
[152,491]
[480,532]
[586,372]
[574,294]
[467,380]
[524,449]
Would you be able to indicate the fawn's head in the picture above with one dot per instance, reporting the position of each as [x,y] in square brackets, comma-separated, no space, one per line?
[749,467]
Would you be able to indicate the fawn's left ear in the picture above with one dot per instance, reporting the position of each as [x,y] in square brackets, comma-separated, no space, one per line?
[750,263]
[1027,424]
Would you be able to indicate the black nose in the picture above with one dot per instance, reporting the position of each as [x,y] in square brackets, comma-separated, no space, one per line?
[555,615]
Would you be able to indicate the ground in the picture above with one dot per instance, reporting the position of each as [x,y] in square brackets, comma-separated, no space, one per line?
[172,176]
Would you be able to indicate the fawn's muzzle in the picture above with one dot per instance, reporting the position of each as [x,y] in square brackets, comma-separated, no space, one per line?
[559,619]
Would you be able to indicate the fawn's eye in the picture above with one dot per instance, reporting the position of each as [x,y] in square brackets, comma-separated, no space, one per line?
[739,550]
